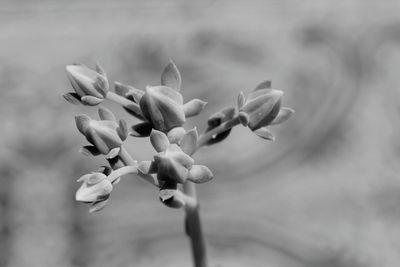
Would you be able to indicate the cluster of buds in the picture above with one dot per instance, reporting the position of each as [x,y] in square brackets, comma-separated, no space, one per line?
[162,114]
[162,106]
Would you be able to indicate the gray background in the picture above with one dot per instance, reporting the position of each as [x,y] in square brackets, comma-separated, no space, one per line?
[326,193]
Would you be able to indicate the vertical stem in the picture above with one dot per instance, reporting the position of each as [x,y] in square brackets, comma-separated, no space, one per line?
[192,220]
[193,228]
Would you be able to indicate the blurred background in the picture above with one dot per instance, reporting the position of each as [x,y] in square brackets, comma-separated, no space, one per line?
[325,193]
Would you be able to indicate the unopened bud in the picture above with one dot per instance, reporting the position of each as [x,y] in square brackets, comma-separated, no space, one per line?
[90,85]
[260,108]
[163,106]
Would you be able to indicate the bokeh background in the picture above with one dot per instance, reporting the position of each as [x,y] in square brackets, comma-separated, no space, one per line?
[326,193]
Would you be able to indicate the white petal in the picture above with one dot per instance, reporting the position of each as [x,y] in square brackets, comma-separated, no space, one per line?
[159,140]
[171,77]
[189,141]
[283,115]
[200,174]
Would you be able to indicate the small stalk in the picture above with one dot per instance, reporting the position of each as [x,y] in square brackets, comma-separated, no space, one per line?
[205,137]
[124,102]
[121,172]
[129,161]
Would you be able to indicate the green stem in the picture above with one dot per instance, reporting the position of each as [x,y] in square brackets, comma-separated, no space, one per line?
[122,171]
[124,102]
[192,220]
[193,227]
[129,161]
[205,137]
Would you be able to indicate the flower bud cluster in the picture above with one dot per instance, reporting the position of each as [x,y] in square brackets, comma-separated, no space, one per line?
[173,163]
[162,113]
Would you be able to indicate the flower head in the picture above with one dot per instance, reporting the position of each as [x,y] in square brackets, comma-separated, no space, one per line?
[162,106]
[172,163]
[105,135]
[262,107]
[91,86]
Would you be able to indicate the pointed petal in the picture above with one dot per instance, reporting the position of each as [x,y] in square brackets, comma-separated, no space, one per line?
[200,174]
[82,123]
[264,85]
[113,153]
[91,100]
[102,85]
[100,70]
[159,140]
[89,151]
[72,98]
[189,141]
[283,115]
[265,134]
[193,107]
[120,89]
[175,135]
[122,130]
[241,99]
[171,76]
[84,177]
[98,205]
[141,130]
[106,114]
[147,167]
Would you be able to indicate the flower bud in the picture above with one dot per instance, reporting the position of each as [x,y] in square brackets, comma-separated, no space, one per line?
[172,164]
[260,108]
[90,86]
[163,107]
[103,134]
[95,187]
